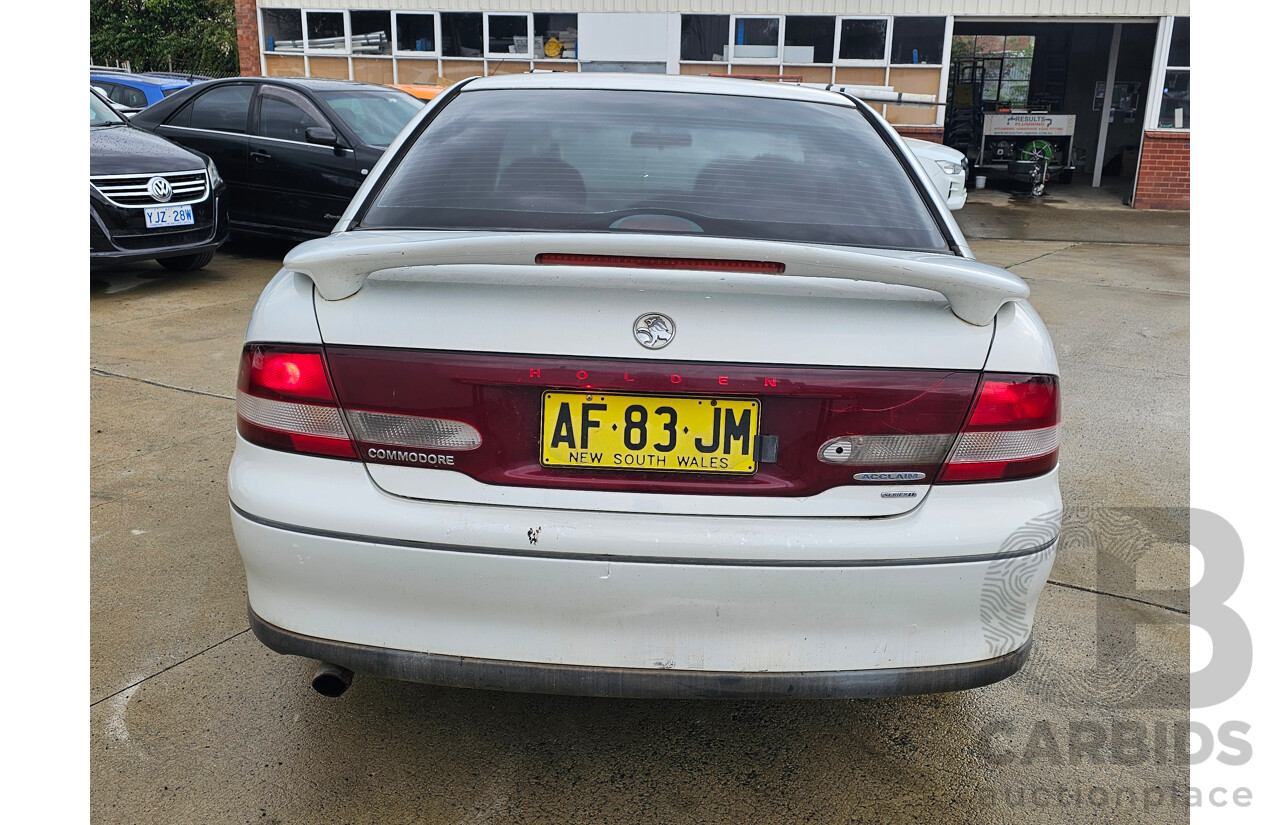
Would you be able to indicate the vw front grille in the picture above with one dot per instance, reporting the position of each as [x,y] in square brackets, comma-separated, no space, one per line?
[135,190]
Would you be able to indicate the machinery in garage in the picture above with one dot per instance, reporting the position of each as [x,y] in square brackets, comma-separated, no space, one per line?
[1033,148]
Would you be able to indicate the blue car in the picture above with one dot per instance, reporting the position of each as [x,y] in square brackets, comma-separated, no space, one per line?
[134,92]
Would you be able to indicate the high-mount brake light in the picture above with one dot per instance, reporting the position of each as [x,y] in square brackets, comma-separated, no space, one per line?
[1011,433]
[284,401]
[644,262]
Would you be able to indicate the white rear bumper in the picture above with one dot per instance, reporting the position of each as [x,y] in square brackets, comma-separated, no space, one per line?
[331,557]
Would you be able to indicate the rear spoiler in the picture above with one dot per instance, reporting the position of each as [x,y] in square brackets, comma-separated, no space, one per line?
[340,263]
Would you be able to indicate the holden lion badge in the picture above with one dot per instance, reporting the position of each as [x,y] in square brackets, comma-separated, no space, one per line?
[654,330]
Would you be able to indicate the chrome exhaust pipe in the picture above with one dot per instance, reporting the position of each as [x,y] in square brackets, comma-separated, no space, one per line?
[331,680]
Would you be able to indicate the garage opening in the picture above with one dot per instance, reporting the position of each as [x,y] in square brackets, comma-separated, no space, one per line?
[1026,100]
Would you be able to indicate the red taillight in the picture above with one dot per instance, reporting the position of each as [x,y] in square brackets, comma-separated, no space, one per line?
[1021,402]
[284,401]
[643,262]
[294,376]
[1011,433]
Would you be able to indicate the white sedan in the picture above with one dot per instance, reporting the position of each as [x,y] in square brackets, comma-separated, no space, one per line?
[946,167]
[694,388]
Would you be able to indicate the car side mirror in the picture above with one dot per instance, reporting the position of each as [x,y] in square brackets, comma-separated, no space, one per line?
[322,136]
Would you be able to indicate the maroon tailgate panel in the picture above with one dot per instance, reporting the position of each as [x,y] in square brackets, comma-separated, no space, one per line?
[501,396]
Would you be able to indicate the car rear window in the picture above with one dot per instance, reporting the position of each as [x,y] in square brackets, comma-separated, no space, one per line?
[635,161]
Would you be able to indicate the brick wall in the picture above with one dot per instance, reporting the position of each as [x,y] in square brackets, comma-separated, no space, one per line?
[1164,173]
[247,38]
[929,133]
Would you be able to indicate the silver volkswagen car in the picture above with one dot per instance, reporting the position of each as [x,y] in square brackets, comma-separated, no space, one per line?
[640,385]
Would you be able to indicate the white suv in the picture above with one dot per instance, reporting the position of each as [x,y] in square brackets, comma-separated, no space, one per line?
[947,168]
[639,386]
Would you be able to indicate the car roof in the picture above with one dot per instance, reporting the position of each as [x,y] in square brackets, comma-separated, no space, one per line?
[166,80]
[636,81]
[929,147]
[141,79]
[318,84]
[422,91]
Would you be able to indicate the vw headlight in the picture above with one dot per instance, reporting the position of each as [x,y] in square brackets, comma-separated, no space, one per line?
[214,178]
[950,168]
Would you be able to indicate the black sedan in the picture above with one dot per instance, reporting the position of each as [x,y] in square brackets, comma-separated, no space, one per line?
[293,151]
[148,198]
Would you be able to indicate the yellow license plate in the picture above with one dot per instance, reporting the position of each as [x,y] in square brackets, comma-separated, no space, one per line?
[640,432]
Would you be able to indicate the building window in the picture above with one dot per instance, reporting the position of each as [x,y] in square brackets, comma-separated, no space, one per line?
[864,40]
[415,33]
[1175,99]
[1003,63]
[704,36]
[562,27]
[282,29]
[462,34]
[809,39]
[918,40]
[371,32]
[508,35]
[1175,103]
[326,31]
[1180,42]
[756,38]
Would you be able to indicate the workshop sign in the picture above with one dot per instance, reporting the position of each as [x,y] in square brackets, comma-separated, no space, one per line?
[1049,125]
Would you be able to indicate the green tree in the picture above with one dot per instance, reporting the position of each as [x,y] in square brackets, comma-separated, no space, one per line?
[165,35]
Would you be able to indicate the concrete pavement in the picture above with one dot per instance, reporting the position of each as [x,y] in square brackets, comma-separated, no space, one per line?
[192,720]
